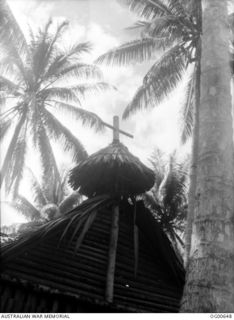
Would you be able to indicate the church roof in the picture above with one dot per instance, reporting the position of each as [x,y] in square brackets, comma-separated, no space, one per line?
[112,170]
[109,251]
[48,260]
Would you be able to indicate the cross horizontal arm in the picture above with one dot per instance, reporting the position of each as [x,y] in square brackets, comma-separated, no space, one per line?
[120,131]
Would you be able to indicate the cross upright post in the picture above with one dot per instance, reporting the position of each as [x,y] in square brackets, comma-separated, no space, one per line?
[116,129]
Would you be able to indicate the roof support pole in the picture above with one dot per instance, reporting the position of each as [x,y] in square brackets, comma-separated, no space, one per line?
[109,294]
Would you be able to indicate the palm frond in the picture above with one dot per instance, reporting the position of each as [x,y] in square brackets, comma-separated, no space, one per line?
[148,9]
[8,85]
[85,229]
[79,70]
[87,209]
[14,148]
[82,217]
[50,175]
[26,208]
[167,201]
[13,43]
[135,51]
[187,112]
[68,140]
[15,168]
[39,50]
[86,117]
[84,89]
[37,191]
[139,25]
[171,28]
[177,8]
[61,93]
[78,49]
[61,27]
[62,60]
[10,32]
[152,203]
[158,164]
[74,93]
[43,47]
[4,127]
[159,82]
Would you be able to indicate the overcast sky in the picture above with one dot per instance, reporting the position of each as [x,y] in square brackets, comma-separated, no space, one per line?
[103,23]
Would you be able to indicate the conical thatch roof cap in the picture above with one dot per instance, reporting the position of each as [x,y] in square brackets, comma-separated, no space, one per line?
[112,170]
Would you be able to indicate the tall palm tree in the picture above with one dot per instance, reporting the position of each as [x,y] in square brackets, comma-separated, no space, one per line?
[174,27]
[167,200]
[209,284]
[38,77]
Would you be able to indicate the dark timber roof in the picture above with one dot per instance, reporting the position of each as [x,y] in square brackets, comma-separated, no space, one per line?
[43,266]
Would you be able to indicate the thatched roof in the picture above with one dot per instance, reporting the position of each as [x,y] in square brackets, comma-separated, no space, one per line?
[46,274]
[112,170]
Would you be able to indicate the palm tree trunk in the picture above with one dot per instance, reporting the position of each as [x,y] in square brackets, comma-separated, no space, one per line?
[197,11]
[193,170]
[210,277]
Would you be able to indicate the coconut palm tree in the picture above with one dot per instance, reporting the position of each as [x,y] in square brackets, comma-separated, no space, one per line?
[167,200]
[209,284]
[174,27]
[42,207]
[38,78]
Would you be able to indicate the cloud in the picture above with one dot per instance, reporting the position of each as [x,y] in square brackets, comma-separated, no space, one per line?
[33,12]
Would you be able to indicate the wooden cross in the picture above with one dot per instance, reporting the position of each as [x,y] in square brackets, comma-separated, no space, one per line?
[109,293]
[116,130]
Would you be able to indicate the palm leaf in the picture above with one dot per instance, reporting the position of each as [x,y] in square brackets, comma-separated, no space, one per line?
[69,141]
[10,31]
[26,208]
[148,9]
[87,208]
[177,8]
[61,60]
[15,167]
[85,229]
[151,203]
[167,201]
[79,70]
[187,112]
[78,49]
[5,126]
[8,85]
[63,93]
[10,151]
[84,89]
[43,47]
[50,175]
[40,47]
[37,191]
[86,117]
[171,28]
[135,51]
[159,82]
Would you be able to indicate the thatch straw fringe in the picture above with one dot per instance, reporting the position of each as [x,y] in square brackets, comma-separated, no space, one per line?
[112,170]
